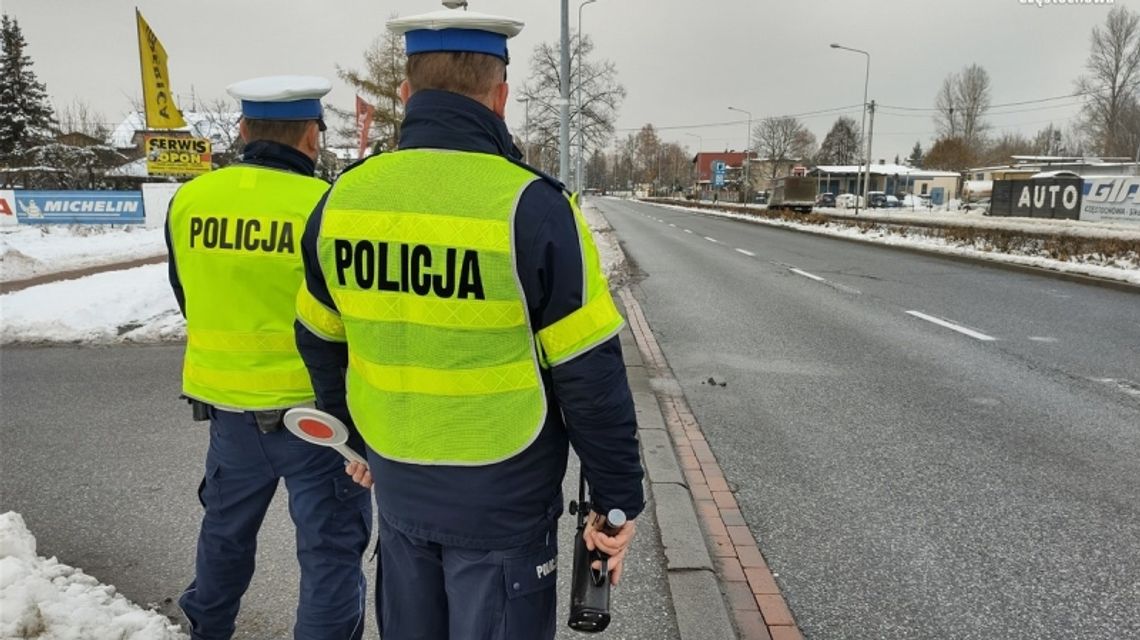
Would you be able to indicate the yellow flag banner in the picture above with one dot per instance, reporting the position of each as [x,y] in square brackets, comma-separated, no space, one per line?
[177,156]
[161,112]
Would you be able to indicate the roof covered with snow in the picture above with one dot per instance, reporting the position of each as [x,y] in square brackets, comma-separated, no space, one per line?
[201,124]
[885,169]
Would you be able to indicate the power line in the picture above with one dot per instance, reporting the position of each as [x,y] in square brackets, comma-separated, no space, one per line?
[997,106]
[727,123]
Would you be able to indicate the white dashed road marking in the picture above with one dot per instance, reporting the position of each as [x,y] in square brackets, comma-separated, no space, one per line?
[746,252]
[688,231]
[977,335]
[710,239]
[807,275]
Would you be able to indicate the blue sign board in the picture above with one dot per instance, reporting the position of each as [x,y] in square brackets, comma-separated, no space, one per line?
[719,168]
[80,207]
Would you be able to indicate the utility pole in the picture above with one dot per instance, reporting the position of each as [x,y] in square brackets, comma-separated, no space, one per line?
[564,101]
[870,138]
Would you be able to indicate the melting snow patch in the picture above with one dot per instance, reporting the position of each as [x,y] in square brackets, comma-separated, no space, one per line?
[44,599]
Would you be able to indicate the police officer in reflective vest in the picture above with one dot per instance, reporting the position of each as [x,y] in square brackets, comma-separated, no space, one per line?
[234,241]
[463,293]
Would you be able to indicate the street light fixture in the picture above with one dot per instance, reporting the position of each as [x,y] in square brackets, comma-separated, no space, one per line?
[862,127]
[747,153]
[581,139]
[455,4]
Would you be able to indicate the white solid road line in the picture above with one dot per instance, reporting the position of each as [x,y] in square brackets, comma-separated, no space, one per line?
[953,327]
[746,252]
[806,275]
[710,239]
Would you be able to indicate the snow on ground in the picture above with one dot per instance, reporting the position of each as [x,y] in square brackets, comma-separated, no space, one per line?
[1122,270]
[44,599]
[132,305]
[613,258]
[32,250]
[974,218]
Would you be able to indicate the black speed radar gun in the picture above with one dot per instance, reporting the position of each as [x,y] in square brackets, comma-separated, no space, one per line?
[590,587]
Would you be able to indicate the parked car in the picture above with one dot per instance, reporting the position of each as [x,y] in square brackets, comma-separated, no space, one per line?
[877,199]
[893,202]
[825,199]
[848,200]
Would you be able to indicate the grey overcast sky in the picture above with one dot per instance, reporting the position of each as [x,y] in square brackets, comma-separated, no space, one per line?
[683,62]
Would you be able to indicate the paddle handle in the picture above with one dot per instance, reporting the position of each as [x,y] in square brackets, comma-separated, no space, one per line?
[349,454]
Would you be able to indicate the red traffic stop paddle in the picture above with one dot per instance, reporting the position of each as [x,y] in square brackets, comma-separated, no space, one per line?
[318,427]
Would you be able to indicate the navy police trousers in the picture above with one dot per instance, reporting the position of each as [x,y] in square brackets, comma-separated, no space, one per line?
[332,515]
[429,591]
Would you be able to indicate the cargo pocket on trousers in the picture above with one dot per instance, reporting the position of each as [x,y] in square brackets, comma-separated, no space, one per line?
[533,572]
[531,604]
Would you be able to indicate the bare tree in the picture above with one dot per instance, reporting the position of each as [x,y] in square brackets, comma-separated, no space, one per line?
[842,143]
[1008,145]
[602,96]
[781,141]
[379,84]
[1112,82]
[961,106]
[79,117]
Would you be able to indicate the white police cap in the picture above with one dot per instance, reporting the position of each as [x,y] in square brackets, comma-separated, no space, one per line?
[281,97]
[456,31]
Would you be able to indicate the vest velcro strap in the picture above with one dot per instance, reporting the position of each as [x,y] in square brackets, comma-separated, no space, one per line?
[322,321]
[282,380]
[445,382]
[259,342]
[417,228]
[434,312]
[580,331]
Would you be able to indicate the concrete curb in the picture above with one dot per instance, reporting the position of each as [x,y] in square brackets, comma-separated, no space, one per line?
[695,593]
[1118,285]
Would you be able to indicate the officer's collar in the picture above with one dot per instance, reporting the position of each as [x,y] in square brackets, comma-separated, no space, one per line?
[275,155]
[444,120]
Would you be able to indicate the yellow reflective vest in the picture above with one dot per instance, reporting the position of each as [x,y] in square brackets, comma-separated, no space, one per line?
[444,367]
[236,236]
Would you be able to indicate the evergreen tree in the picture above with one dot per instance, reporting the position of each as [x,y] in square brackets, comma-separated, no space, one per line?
[916,156]
[25,114]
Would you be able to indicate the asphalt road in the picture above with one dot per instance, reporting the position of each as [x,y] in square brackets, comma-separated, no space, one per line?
[103,462]
[906,479]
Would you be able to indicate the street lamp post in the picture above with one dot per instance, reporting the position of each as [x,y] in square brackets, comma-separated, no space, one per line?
[862,127]
[581,132]
[564,99]
[526,128]
[747,153]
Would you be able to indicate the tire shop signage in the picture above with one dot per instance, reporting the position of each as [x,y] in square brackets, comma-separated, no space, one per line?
[1114,199]
[177,156]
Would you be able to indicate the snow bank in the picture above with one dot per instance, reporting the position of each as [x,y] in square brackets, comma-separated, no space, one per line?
[1121,270]
[44,599]
[32,250]
[613,258]
[133,305]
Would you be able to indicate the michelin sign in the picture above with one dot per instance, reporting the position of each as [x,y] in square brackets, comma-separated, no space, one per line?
[79,207]
[1111,200]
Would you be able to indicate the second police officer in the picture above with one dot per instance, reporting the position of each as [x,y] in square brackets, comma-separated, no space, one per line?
[234,237]
[463,293]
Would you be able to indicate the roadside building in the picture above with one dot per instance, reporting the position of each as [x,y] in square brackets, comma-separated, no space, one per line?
[706,185]
[892,179]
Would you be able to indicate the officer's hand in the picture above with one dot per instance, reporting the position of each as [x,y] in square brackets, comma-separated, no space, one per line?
[360,474]
[614,546]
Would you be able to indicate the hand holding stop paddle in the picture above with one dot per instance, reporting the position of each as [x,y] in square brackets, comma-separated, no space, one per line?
[320,428]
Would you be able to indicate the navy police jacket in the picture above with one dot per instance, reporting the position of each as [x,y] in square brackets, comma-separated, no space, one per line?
[515,501]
